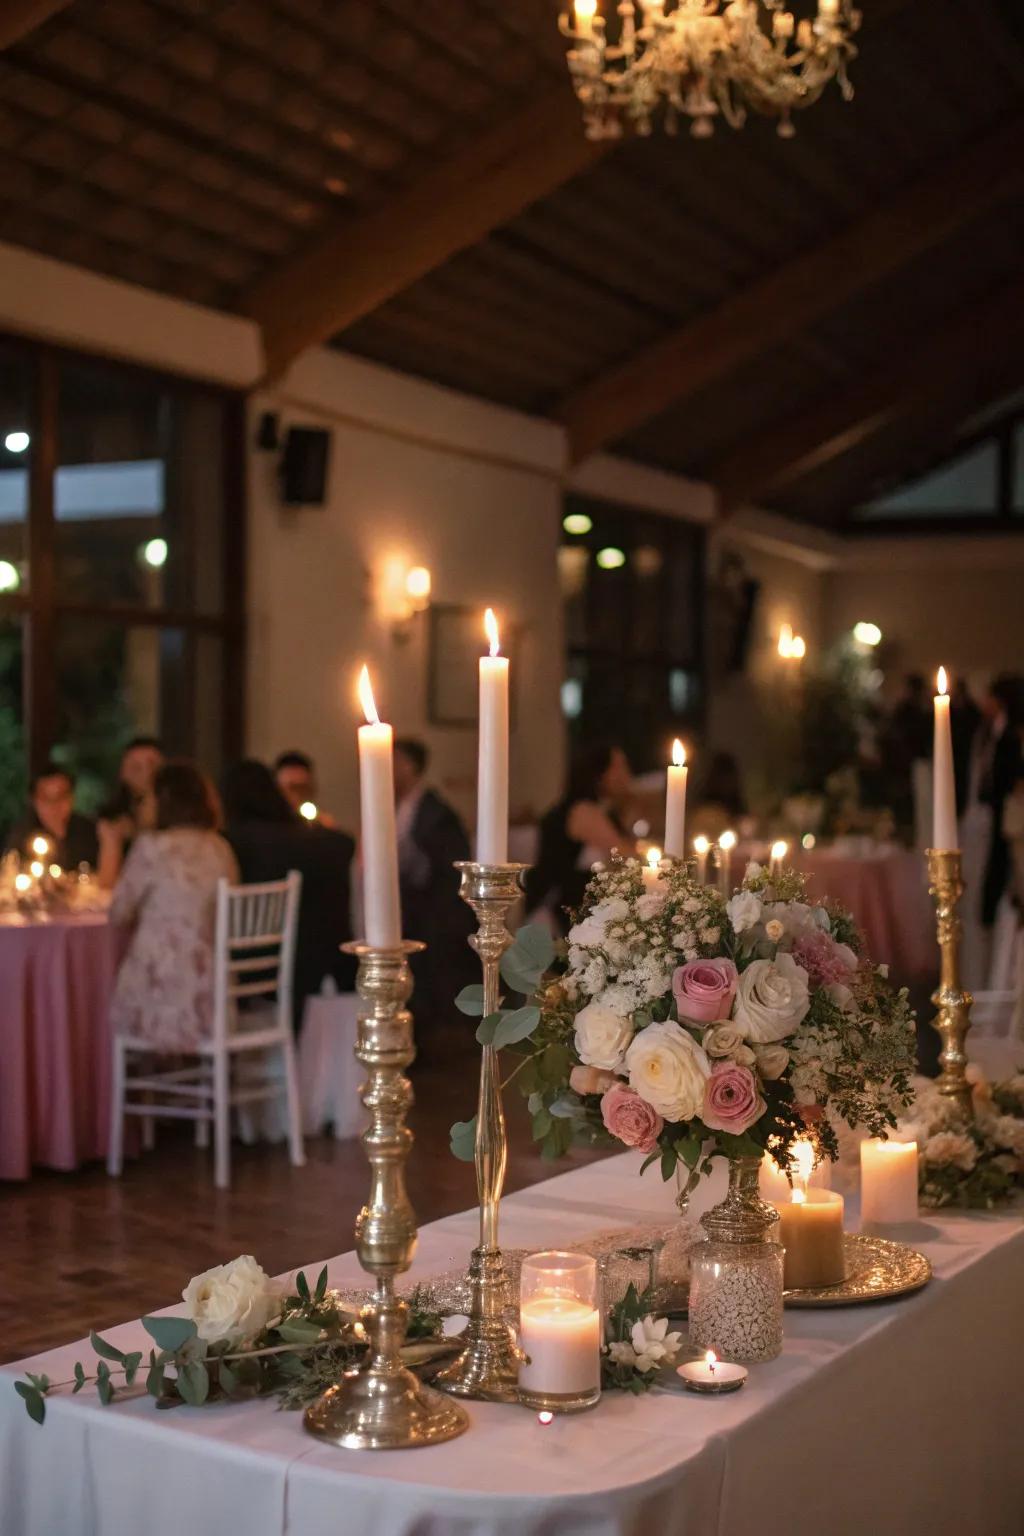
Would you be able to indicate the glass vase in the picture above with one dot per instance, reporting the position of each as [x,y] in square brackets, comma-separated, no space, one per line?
[736,1274]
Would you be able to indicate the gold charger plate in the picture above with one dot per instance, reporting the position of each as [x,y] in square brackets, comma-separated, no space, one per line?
[877,1269]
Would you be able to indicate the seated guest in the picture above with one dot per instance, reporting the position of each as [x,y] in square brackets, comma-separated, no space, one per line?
[131,809]
[296,779]
[51,813]
[269,840]
[585,825]
[166,895]
[431,838]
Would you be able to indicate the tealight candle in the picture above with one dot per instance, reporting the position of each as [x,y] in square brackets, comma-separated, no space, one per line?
[702,848]
[726,844]
[812,1234]
[652,868]
[888,1181]
[778,854]
[559,1332]
[712,1375]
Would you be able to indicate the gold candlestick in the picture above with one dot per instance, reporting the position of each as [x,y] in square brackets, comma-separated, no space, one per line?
[382,1406]
[953,1018]
[488,1366]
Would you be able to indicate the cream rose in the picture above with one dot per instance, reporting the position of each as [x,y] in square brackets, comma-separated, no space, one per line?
[772,1061]
[602,1036]
[668,1068]
[724,1039]
[771,999]
[232,1301]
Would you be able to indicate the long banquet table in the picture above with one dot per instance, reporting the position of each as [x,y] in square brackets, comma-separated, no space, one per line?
[898,1418]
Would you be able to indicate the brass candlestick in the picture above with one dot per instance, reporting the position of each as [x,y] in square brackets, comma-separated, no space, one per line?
[953,1018]
[382,1406]
[488,1366]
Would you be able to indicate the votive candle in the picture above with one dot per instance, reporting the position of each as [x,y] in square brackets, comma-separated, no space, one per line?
[888,1181]
[559,1331]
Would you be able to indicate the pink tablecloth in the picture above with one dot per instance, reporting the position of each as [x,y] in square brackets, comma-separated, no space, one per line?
[887,894]
[56,980]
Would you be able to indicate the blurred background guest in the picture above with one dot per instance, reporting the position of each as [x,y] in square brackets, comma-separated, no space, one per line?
[720,801]
[585,825]
[431,839]
[1001,759]
[269,839]
[166,895]
[295,774]
[51,812]
[906,740]
[964,719]
[131,808]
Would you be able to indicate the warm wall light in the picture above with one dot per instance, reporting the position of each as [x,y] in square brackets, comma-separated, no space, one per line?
[791,647]
[577,523]
[154,553]
[798,649]
[417,587]
[16,442]
[401,591]
[610,559]
[867,634]
[10,580]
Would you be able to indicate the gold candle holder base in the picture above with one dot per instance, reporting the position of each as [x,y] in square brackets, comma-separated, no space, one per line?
[382,1406]
[488,1366]
[953,1002]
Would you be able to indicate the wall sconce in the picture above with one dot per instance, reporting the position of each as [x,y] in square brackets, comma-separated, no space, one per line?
[403,591]
[791,647]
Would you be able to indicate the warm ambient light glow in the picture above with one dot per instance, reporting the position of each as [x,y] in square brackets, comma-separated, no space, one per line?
[798,649]
[366,702]
[55,871]
[154,553]
[801,1157]
[653,858]
[786,641]
[577,522]
[22,882]
[35,869]
[10,581]
[308,811]
[491,631]
[610,559]
[16,442]
[678,753]
[867,634]
[40,846]
[941,682]
[710,1360]
[417,585]
[701,845]
[779,851]
[727,841]
[545,1416]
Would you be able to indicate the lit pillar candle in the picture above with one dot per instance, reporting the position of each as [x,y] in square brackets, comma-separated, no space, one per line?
[492,778]
[382,913]
[702,848]
[778,854]
[773,1183]
[559,1330]
[811,1231]
[888,1181]
[726,844]
[944,832]
[652,868]
[675,804]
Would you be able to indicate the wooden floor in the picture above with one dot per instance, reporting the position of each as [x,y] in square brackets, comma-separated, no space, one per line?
[84,1250]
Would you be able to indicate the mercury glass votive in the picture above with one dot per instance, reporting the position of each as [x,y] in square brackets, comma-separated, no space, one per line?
[736,1299]
[559,1332]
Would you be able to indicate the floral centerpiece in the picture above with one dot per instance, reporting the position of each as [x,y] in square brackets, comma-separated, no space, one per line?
[977,1165]
[689,1027]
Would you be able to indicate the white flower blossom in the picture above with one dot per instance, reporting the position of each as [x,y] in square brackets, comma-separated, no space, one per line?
[744,910]
[602,1036]
[652,1343]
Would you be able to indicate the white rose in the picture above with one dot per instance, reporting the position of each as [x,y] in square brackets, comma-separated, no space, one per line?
[602,1036]
[772,1061]
[771,998]
[774,930]
[744,910]
[668,1068]
[726,1040]
[232,1301]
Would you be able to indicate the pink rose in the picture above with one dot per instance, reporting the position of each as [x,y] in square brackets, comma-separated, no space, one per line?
[705,990]
[631,1118]
[731,1099]
[591,1079]
[823,959]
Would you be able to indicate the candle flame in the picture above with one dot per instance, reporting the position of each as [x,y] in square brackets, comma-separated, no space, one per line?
[36,869]
[678,753]
[799,1197]
[801,1157]
[22,882]
[491,631]
[727,841]
[308,811]
[779,850]
[941,683]
[369,708]
[653,858]
[40,846]
[701,845]
[786,640]
[711,1359]
[56,871]
[585,9]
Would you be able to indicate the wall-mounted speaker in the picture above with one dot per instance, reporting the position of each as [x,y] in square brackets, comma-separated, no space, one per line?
[304,465]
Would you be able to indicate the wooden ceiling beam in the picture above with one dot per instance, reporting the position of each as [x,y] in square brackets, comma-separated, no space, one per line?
[367,260]
[20,17]
[777,307]
[957,353]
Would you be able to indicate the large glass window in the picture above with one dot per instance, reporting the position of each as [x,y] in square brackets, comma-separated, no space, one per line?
[119,603]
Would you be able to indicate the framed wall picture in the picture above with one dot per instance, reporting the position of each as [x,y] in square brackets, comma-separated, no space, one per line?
[456,644]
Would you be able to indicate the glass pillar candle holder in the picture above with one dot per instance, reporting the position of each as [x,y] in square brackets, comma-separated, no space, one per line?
[559,1332]
[736,1299]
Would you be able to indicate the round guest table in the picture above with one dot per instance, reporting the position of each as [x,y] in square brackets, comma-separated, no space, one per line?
[56,980]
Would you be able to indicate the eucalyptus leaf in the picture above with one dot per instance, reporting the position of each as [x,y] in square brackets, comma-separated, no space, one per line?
[302,1286]
[299,1330]
[41,1383]
[566,1107]
[470,1001]
[541,1124]
[485,1030]
[516,1026]
[669,1159]
[107,1351]
[79,1377]
[155,1376]
[131,1366]
[169,1332]
[321,1285]
[530,955]
[34,1401]
[194,1383]
[463,1140]
[227,1378]
[104,1390]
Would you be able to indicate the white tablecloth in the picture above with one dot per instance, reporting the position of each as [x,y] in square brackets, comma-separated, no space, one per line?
[902,1419]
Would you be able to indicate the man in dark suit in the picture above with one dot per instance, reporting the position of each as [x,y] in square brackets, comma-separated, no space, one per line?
[1001,769]
[431,839]
[51,814]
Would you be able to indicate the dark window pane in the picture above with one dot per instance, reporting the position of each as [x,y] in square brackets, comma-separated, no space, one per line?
[15,457]
[12,724]
[139,491]
[968,484]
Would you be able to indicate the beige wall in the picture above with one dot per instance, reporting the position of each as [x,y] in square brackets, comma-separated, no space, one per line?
[438,488]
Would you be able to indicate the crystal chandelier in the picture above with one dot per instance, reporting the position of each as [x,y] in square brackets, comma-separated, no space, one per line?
[702,58]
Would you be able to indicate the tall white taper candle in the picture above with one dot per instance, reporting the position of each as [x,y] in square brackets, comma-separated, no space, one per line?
[675,804]
[382,912]
[944,830]
[492,779]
